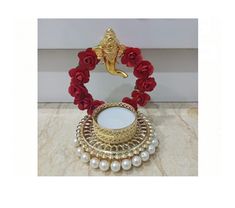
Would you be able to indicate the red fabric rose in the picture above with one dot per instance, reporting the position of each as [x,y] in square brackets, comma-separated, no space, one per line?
[82,76]
[73,71]
[88,59]
[72,90]
[94,105]
[84,103]
[146,84]
[140,97]
[131,57]
[143,70]
[130,101]
[79,92]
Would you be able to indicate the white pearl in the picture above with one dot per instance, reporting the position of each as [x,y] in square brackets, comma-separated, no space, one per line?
[136,161]
[151,149]
[85,157]
[126,164]
[79,151]
[115,166]
[104,165]
[94,162]
[75,142]
[144,155]
[155,142]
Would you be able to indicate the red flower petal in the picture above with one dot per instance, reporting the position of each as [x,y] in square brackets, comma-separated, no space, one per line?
[88,59]
[143,70]
[130,101]
[72,72]
[131,57]
[94,105]
[140,97]
[84,103]
[146,84]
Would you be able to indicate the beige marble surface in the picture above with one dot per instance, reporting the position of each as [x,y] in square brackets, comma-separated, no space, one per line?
[175,123]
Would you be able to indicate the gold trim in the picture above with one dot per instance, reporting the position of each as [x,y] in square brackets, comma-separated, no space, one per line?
[109,49]
[114,136]
[89,141]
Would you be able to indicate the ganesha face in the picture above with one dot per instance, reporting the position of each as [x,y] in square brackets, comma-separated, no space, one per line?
[111,46]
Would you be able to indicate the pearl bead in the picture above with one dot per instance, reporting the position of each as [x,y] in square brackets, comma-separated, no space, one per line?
[85,157]
[155,142]
[144,155]
[126,164]
[94,162]
[75,142]
[79,151]
[115,166]
[104,165]
[136,161]
[151,149]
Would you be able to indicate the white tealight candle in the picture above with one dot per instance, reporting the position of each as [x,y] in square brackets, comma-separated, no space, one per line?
[115,118]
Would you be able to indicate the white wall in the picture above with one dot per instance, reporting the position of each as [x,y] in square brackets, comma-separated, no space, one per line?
[143,33]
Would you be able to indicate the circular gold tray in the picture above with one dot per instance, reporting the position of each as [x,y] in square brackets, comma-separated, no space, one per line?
[88,140]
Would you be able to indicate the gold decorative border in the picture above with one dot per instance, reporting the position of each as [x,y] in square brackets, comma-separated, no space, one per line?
[114,136]
[88,140]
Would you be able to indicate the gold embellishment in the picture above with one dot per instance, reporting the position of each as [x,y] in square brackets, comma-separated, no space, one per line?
[109,49]
[92,144]
[114,136]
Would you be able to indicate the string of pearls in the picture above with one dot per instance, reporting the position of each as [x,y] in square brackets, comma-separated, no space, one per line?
[116,165]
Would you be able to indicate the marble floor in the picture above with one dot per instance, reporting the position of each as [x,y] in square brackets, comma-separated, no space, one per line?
[175,123]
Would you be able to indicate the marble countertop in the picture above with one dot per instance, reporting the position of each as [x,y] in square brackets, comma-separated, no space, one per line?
[175,123]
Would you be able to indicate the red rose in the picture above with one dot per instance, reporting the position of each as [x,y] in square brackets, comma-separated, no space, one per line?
[74,82]
[131,57]
[88,59]
[146,84]
[79,92]
[140,97]
[84,103]
[143,70]
[82,76]
[94,105]
[130,101]
[73,71]
[72,90]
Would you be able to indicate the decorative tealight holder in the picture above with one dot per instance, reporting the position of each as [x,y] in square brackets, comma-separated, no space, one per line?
[115,123]
[113,135]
